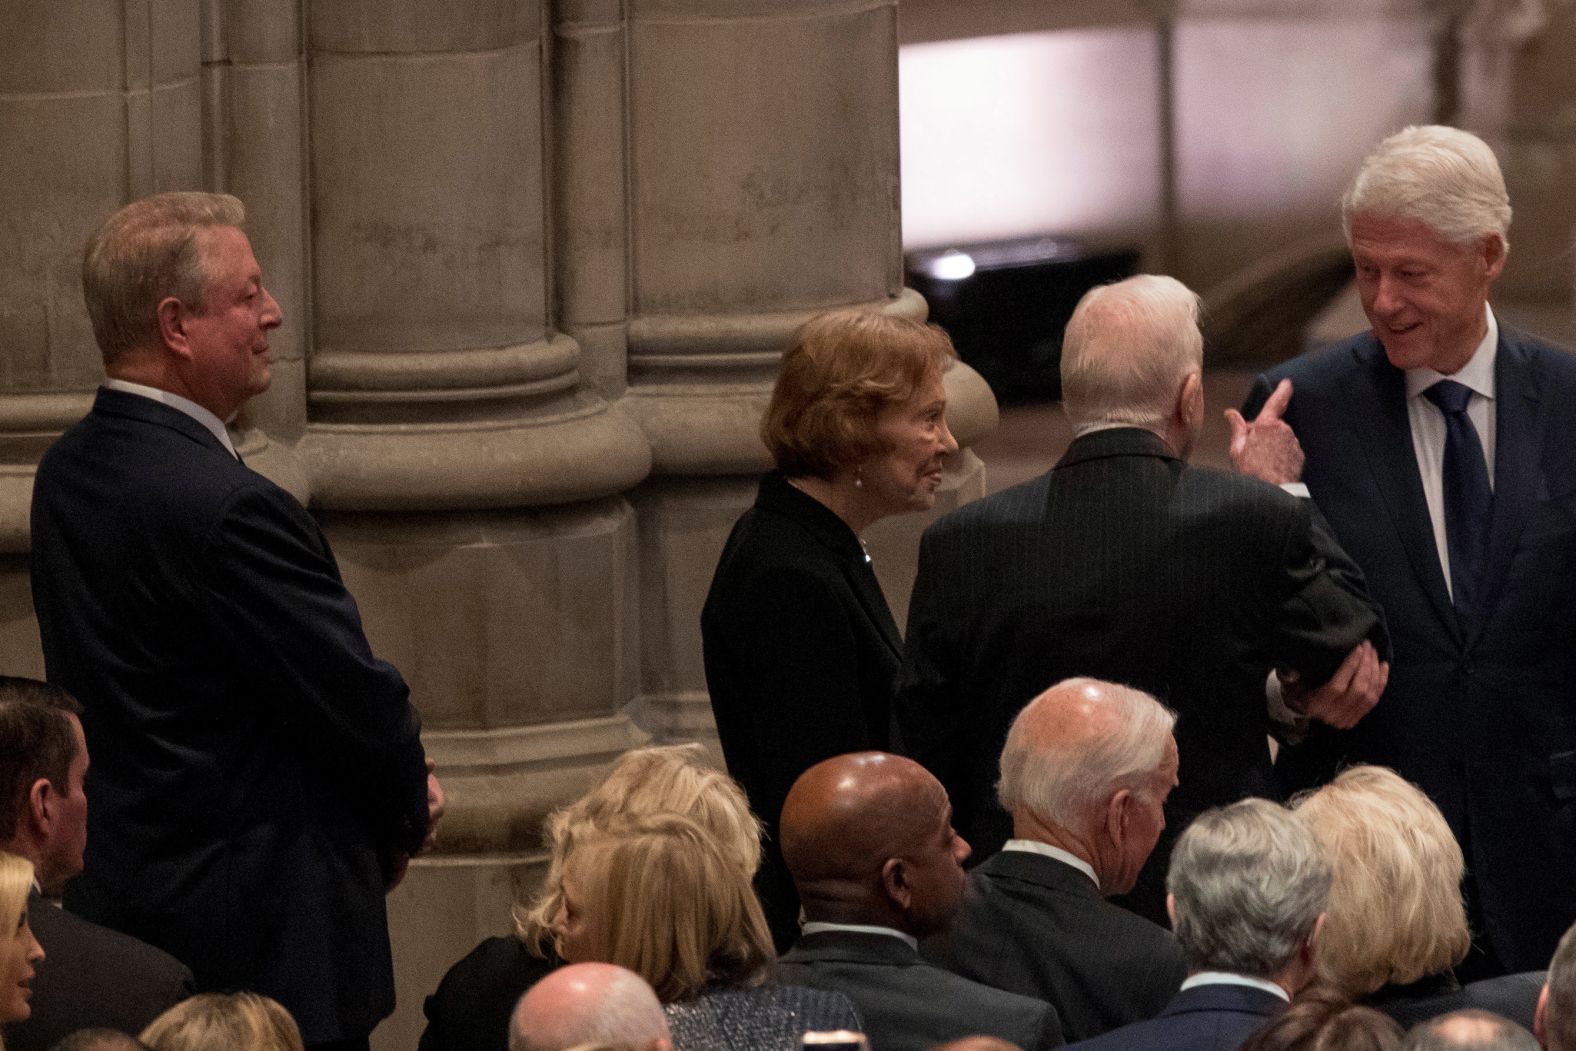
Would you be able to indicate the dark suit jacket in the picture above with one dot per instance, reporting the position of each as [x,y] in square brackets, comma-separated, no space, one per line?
[909,1005]
[801,654]
[1035,926]
[1125,564]
[1204,1018]
[254,766]
[1481,715]
[1515,996]
[470,1009]
[92,977]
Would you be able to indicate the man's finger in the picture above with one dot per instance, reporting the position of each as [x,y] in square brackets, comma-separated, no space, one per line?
[1239,426]
[1276,405]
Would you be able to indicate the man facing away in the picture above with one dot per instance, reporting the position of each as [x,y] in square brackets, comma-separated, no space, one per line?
[258,780]
[589,1005]
[1126,564]
[90,976]
[868,837]
[1248,888]
[1085,773]
[1439,448]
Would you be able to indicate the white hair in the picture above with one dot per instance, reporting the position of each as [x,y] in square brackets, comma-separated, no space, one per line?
[622,1011]
[1250,882]
[1065,781]
[1443,177]
[1126,351]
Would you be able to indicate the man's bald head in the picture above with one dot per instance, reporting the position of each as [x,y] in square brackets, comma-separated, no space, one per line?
[588,1003]
[1469,1030]
[868,837]
[1078,758]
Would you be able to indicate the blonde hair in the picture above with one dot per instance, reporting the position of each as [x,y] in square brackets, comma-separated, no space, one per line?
[144,253]
[1127,349]
[839,371]
[1443,177]
[224,1022]
[1396,913]
[672,779]
[16,882]
[660,898]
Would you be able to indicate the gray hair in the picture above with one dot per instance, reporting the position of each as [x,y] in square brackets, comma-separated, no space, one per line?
[626,1014]
[1559,1015]
[1470,1030]
[1250,882]
[144,253]
[1445,178]
[1126,350]
[1064,781]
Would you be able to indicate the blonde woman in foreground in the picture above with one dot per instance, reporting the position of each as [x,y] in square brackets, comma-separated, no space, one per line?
[224,1022]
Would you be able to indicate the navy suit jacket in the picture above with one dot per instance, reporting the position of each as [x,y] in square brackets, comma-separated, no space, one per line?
[908,1004]
[1035,926]
[1480,714]
[1204,1018]
[255,768]
[1121,563]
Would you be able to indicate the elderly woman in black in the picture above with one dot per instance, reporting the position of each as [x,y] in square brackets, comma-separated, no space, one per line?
[801,650]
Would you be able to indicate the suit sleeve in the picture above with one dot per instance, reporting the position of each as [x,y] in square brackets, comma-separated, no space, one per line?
[928,712]
[1324,609]
[279,608]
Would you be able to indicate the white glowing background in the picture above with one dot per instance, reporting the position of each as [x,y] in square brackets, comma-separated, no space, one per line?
[1039,132]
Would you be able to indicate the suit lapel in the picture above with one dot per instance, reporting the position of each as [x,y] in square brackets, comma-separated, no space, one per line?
[1377,397]
[1517,474]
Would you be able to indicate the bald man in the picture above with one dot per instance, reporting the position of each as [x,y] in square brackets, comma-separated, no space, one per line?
[1470,1030]
[1085,774]
[589,1003]
[869,840]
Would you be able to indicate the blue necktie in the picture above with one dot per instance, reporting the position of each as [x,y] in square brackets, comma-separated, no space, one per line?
[1468,498]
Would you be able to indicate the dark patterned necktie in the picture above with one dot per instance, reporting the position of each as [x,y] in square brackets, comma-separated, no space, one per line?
[1468,498]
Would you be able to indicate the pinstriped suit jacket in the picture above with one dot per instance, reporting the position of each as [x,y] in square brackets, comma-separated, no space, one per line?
[1125,564]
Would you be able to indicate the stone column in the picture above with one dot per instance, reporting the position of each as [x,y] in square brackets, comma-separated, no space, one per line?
[99,104]
[763,188]
[467,474]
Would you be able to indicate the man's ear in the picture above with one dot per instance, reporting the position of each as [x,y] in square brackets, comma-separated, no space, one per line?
[173,315]
[1171,909]
[1494,253]
[1310,948]
[1118,811]
[1190,403]
[894,882]
[40,807]
[1540,1016]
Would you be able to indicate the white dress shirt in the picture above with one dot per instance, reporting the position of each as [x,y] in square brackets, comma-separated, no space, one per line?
[820,927]
[178,403]
[1227,978]
[1034,846]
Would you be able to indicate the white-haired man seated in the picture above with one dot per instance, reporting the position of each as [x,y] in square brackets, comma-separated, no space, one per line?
[1248,887]
[589,1004]
[1085,773]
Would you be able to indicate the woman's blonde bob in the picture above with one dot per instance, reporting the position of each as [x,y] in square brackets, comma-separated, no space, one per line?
[1395,912]
[661,898]
[224,1022]
[671,779]
[839,371]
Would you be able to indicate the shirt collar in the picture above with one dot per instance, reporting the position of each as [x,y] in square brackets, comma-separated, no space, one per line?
[178,403]
[1034,846]
[819,927]
[1227,978]
[1477,374]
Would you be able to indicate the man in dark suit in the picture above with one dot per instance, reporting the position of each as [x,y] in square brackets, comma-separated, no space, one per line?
[90,975]
[1085,773]
[1248,888]
[258,778]
[869,840]
[1439,448]
[1124,563]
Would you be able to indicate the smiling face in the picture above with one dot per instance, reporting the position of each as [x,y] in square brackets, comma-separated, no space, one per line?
[227,334]
[21,951]
[1424,295]
[907,475]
